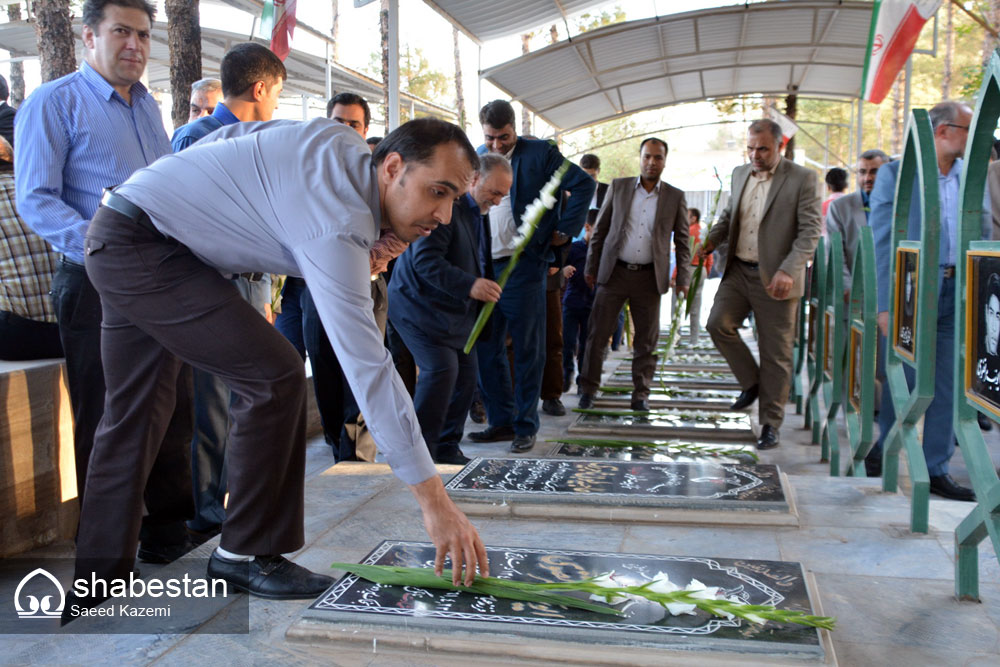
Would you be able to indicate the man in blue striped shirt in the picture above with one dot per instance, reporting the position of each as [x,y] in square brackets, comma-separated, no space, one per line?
[76,136]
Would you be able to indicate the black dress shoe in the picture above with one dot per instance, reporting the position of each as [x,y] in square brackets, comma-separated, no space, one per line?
[161,554]
[768,437]
[640,405]
[493,434]
[478,412]
[945,486]
[452,457]
[522,443]
[586,401]
[873,464]
[745,399]
[985,424]
[271,577]
[554,407]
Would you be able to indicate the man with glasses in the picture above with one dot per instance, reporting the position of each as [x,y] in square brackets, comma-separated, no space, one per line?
[950,121]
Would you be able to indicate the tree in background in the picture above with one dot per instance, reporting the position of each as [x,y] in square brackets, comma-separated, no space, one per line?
[16,66]
[459,94]
[184,42]
[54,32]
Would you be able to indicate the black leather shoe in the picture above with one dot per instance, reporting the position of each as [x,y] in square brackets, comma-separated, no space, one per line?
[554,407]
[522,443]
[984,422]
[478,412]
[452,457]
[586,401]
[768,437]
[493,434]
[271,577]
[745,399]
[161,554]
[873,464]
[945,486]
[640,405]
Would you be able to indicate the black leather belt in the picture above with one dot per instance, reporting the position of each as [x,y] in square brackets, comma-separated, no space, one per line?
[123,206]
[634,267]
[749,265]
[948,271]
[252,277]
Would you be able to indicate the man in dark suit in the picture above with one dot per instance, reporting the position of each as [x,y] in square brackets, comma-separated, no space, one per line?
[773,199]
[849,214]
[513,415]
[591,164]
[434,297]
[629,258]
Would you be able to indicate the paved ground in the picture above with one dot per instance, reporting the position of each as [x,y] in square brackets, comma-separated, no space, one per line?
[890,590]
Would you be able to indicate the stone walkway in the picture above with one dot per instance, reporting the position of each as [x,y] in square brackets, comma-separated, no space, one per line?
[891,591]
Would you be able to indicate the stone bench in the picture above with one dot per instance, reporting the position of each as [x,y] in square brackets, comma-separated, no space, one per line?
[38,494]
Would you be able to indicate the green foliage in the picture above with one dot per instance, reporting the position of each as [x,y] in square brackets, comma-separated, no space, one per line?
[589,21]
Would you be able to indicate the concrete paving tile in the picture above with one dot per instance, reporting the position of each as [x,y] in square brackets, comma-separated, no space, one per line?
[851,654]
[723,541]
[879,615]
[866,551]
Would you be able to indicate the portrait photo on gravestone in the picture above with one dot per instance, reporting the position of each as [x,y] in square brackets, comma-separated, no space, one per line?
[983,330]
[907,273]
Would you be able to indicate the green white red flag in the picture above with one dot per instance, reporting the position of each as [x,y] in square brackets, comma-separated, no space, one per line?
[278,18]
[895,27]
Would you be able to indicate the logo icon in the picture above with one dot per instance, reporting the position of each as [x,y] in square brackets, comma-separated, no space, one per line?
[32,606]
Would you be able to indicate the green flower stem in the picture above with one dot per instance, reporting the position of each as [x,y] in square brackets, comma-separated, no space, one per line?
[542,592]
[484,315]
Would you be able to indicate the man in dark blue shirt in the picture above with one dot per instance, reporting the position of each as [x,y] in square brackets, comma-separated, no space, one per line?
[252,79]
[434,299]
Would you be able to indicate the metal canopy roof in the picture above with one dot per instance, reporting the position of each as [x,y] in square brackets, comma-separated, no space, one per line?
[481,20]
[306,72]
[804,46]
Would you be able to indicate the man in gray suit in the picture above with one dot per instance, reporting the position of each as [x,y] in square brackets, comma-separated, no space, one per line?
[849,214]
[774,199]
[629,258]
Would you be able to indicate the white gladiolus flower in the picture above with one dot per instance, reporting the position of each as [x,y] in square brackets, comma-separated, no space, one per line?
[606,580]
[701,591]
[662,584]
[547,200]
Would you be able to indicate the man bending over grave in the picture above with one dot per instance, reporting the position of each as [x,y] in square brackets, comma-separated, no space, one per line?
[302,199]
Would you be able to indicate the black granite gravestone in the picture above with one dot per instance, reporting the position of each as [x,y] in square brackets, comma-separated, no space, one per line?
[357,605]
[664,451]
[700,485]
[696,424]
[687,379]
[677,398]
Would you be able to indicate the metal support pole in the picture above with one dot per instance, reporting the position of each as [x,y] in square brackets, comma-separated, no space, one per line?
[826,149]
[329,74]
[305,107]
[860,148]
[906,88]
[479,83]
[393,111]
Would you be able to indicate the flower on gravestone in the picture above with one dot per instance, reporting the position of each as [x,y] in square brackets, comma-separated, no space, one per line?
[607,580]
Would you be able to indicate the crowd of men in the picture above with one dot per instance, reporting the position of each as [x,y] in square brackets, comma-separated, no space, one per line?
[186,387]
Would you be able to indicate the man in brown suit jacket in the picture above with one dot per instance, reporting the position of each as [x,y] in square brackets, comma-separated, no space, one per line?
[629,258]
[776,200]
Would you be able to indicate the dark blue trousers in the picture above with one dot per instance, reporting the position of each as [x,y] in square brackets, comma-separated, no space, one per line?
[289,320]
[574,338]
[445,387]
[521,312]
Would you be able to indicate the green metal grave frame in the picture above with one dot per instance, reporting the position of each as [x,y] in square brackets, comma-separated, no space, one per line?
[817,304]
[984,519]
[860,419]
[799,357]
[833,380]
[920,162]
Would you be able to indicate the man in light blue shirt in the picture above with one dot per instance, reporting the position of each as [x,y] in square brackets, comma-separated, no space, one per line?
[950,121]
[252,79]
[301,199]
[77,135]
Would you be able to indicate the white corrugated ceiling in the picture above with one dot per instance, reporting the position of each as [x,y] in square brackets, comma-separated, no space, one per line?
[481,20]
[810,47]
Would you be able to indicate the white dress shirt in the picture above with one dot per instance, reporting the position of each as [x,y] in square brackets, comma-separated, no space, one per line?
[638,245]
[298,199]
[503,227]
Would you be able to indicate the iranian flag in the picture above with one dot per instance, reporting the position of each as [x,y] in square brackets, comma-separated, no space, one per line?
[279,16]
[895,27]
